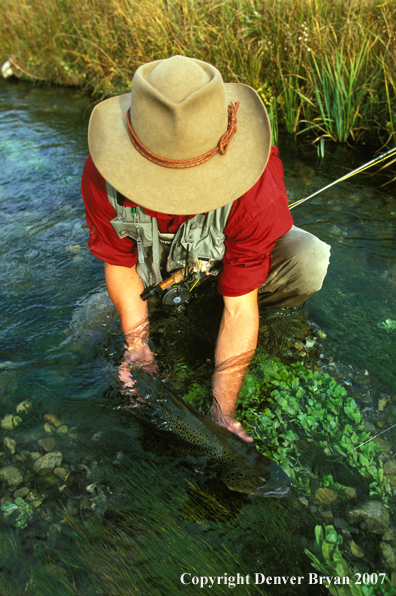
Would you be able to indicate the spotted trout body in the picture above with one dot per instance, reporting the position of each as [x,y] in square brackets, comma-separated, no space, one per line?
[213,449]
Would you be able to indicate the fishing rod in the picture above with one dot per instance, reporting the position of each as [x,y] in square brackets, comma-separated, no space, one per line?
[381,157]
[176,296]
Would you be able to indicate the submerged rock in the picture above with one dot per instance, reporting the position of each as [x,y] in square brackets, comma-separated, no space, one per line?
[355,550]
[12,475]
[63,429]
[7,422]
[389,554]
[389,536]
[325,496]
[47,444]
[60,472]
[10,444]
[351,492]
[390,467]
[383,457]
[10,421]
[383,443]
[50,479]
[393,579]
[49,428]
[342,524]
[48,462]
[374,514]
[369,426]
[392,480]
[328,517]
[53,419]
[23,406]
[21,492]
[37,502]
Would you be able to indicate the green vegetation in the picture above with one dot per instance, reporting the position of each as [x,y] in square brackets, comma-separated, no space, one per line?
[329,561]
[289,408]
[388,325]
[24,512]
[322,66]
[159,523]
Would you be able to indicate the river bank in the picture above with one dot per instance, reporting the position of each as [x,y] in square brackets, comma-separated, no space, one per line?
[324,69]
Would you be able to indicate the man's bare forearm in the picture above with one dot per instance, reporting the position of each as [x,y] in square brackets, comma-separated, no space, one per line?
[124,287]
[236,343]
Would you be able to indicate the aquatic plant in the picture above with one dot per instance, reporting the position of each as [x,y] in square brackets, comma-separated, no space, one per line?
[292,403]
[160,522]
[290,407]
[24,511]
[388,325]
[328,560]
[323,67]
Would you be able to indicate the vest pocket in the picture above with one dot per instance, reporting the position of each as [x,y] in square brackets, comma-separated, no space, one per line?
[203,242]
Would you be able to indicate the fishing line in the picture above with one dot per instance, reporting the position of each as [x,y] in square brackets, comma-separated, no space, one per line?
[364,443]
[381,157]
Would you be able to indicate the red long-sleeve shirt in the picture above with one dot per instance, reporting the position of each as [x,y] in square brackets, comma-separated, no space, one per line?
[256,221]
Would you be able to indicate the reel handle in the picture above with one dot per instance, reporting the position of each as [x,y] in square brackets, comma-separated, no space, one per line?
[176,277]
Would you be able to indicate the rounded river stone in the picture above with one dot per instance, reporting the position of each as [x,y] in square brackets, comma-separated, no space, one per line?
[12,475]
[374,514]
[49,461]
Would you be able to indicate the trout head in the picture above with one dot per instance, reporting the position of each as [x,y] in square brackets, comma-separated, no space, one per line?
[259,476]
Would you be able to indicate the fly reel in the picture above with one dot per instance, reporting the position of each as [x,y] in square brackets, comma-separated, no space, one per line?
[177,294]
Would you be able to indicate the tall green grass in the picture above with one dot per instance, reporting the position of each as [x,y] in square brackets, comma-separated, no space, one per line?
[341,93]
[323,67]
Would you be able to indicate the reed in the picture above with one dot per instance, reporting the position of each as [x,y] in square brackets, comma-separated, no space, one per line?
[324,67]
[341,94]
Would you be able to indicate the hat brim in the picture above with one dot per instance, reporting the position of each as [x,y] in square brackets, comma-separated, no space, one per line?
[220,180]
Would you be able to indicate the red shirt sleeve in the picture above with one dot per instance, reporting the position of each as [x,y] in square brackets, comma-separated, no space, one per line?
[256,221]
[103,241]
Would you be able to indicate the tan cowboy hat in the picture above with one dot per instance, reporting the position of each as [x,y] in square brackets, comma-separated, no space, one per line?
[179,112]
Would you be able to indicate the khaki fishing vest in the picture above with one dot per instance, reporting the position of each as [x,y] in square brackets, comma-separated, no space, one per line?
[198,242]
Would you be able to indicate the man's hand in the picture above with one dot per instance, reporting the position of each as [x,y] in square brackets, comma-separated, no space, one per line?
[230,423]
[236,343]
[124,287]
[137,353]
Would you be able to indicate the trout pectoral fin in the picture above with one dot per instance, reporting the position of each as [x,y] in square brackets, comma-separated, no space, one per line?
[277,486]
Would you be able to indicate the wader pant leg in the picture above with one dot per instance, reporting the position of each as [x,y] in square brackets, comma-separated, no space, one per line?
[299,266]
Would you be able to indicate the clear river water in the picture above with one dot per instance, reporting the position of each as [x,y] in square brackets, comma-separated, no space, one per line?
[61,345]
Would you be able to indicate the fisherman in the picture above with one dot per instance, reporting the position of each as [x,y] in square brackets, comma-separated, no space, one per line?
[182,178]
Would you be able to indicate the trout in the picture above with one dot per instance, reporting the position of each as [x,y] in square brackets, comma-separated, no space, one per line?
[209,448]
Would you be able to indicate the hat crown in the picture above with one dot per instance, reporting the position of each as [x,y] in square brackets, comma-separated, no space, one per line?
[179,110]
[178,107]
[177,78]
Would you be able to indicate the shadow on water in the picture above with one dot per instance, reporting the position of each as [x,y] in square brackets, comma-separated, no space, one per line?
[119,513]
